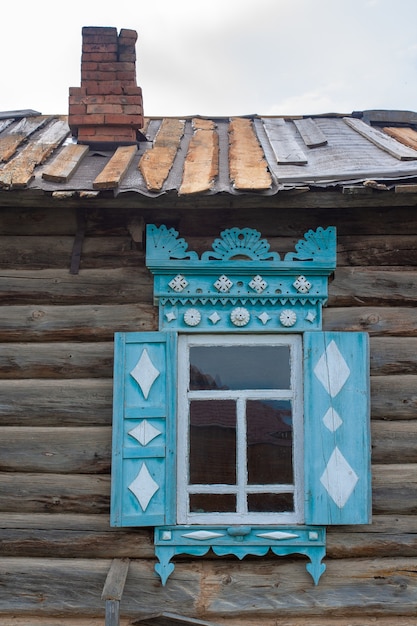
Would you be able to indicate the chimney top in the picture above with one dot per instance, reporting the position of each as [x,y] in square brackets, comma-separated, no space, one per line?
[107,110]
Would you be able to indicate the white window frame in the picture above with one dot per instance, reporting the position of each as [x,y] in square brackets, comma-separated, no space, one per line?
[294,394]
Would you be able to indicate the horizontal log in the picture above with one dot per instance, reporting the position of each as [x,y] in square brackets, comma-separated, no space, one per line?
[56,360]
[110,286]
[372,286]
[209,589]
[42,402]
[394,397]
[43,252]
[61,450]
[394,441]
[90,536]
[73,323]
[394,489]
[54,493]
[377,321]
[393,355]
[368,250]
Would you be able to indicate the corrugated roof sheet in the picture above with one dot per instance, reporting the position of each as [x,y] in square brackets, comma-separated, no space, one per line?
[262,155]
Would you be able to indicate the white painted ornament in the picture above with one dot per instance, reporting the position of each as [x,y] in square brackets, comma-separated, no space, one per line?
[288,318]
[240,316]
[192,317]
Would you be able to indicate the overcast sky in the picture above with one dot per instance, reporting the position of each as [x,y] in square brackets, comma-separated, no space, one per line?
[222,57]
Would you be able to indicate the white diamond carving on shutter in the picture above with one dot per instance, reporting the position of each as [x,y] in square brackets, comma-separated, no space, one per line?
[336,428]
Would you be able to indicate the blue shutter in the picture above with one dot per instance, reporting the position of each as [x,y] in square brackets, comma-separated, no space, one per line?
[336,428]
[143,461]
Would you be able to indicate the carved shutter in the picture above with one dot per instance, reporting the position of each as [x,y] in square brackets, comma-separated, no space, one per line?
[336,428]
[143,462]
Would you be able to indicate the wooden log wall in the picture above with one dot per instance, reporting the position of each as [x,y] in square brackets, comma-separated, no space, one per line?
[56,359]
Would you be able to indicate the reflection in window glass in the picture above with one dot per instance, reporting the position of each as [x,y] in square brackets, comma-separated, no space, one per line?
[212,442]
[240,367]
[269,442]
[212,502]
[270,502]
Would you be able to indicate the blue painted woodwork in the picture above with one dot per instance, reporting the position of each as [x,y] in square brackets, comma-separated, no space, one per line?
[337,428]
[240,542]
[151,410]
[241,286]
[240,275]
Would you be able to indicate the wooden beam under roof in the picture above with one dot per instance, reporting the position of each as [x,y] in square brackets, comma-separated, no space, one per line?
[19,171]
[156,163]
[201,164]
[114,171]
[381,140]
[248,166]
[66,163]
[407,136]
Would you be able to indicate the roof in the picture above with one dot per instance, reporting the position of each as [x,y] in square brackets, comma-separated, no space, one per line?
[186,156]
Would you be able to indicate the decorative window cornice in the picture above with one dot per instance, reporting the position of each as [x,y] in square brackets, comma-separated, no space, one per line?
[240,284]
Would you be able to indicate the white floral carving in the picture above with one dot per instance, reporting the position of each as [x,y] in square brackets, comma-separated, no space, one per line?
[192,317]
[288,318]
[258,284]
[223,284]
[240,316]
[179,283]
[302,285]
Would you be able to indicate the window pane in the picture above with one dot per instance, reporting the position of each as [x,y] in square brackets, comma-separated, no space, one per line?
[212,503]
[269,442]
[212,442]
[239,367]
[270,502]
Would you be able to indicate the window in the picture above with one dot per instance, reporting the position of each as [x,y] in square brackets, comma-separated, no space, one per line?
[240,425]
[239,455]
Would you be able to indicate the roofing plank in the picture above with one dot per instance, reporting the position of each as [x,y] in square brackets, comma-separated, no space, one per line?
[407,136]
[201,165]
[65,164]
[283,142]
[311,134]
[19,171]
[381,140]
[19,133]
[114,171]
[156,163]
[248,166]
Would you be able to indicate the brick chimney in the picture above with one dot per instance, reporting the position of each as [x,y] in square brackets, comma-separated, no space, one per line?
[107,110]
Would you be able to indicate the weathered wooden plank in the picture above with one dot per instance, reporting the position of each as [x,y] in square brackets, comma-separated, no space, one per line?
[115,581]
[56,360]
[43,402]
[283,143]
[201,164]
[208,589]
[372,286]
[19,171]
[394,489]
[248,166]
[388,321]
[393,355]
[62,450]
[114,171]
[380,139]
[54,493]
[376,250]
[310,132]
[156,163]
[73,323]
[66,163]
[96,286]
[18,134]
[407,136]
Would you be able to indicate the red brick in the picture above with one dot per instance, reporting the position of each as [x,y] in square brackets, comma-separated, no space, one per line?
[104,108]
[97,76]
[130,120]
[129,109]
[99,30]
[86,120]
[90,66]
[105,88]
[128,77]
[132,90]
[117,67]
[97,47]
[77,91]
[127,33]
[128,57]
[87,131]
[77,109]
[99,57]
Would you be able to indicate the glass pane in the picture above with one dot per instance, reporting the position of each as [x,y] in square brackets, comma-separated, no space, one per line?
[212,442]
[240,367]
[270,502]
[269,438]
[212,503]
